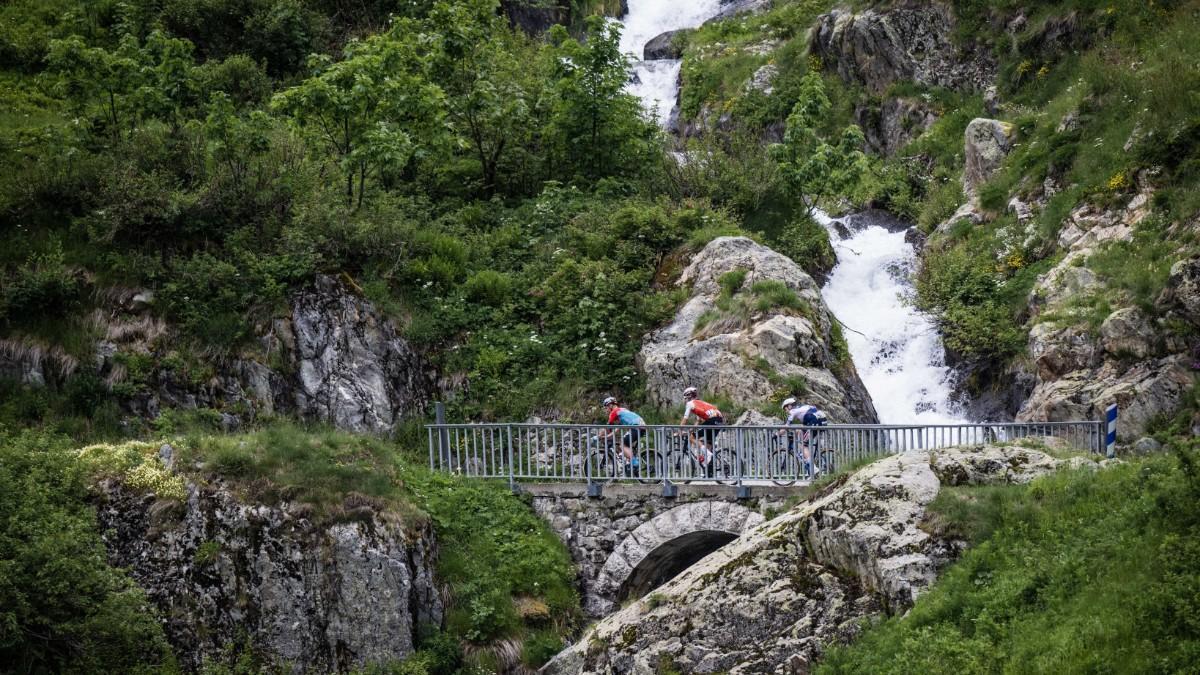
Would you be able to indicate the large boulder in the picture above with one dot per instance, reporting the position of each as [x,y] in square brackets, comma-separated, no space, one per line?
[911,42]
[894,123]
[987,143]
[750,358]
[664,46]
[775,599]
[305,596]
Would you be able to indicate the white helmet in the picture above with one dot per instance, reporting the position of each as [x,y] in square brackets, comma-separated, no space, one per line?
[609,401]
[789,401]
[690,392]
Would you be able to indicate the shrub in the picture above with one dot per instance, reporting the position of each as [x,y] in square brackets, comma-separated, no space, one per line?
[62,608]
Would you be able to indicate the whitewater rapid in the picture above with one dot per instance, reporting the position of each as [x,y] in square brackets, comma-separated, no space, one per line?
[656,82]
[896,349]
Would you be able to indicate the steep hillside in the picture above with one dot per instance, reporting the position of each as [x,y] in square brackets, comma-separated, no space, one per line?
[1049,153]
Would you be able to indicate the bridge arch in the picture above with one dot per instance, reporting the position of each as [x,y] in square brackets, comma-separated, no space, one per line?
[667,544]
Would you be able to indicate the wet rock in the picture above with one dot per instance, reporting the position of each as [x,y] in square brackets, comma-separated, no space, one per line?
[909,42]
[664,46]
[745,359]
[784,592]
[308,597]
[987,143]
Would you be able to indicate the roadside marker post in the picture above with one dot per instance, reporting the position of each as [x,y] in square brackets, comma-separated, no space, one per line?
[1110,441]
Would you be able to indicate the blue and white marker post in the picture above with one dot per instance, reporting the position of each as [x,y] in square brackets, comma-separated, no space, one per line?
[1110,441]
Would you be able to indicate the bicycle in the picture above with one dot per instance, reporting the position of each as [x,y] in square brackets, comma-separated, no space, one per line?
[787,464]
[721,466]
[606,462]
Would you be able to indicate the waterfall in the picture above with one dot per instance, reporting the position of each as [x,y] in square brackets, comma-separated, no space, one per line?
[896,348]
[656,82]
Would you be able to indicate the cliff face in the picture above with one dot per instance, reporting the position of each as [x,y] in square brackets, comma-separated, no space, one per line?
[305,595]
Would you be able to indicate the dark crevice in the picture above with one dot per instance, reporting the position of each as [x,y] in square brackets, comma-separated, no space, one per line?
[669,559]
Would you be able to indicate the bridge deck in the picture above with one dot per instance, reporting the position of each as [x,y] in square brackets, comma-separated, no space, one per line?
[560,489]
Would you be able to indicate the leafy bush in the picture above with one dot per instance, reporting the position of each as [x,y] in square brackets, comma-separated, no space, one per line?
[62,608]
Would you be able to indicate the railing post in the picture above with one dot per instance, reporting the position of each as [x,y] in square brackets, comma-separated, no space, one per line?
[439,417]
[512,483]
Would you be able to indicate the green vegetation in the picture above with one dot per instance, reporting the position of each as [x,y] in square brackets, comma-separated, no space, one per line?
[65,609]
[1080,571]
[736,306]
[62,608]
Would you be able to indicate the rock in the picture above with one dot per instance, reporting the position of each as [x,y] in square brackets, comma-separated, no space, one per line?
[664,46]
[753,418]
[1146,446]
[353,370]
[784,592]
[991,100]
[1022,210]
[1182,292]
[732,8]
[895,123]
[307,597]
[1127,333]
[745,362]
[141,301]
[910,42]
[763,78]
[1144,391]
[987,143]
[166,455]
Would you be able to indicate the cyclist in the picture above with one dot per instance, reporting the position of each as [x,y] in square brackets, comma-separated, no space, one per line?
[808,416]
[707,415]
[628,418]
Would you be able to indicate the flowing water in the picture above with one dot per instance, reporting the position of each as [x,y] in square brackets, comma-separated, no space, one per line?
[896,348]
[656,82]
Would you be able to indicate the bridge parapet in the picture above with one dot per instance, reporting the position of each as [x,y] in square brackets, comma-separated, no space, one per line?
[736,455]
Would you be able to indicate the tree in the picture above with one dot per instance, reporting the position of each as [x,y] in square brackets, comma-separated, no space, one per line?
[484,67]
[128,83]
[599,122]
[813,167]
[375,110]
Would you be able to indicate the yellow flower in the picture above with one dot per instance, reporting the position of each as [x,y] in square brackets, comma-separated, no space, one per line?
[1118,182]
[1025,67]
[1043,71]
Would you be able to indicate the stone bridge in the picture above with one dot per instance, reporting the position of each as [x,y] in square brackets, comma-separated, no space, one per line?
[632,539]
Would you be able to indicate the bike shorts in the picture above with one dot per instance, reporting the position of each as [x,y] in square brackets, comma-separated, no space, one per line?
[631,438]
[709,435]
[808,439]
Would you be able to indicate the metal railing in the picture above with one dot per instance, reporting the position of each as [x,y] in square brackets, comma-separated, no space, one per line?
[731,454]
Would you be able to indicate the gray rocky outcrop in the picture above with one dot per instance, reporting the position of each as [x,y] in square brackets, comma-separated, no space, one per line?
[732,8]
[911,42]
[749,358]
[773,600]
[1130,359]
[987,143]
[331,358]
[308,596]
[353,370]
[666,45]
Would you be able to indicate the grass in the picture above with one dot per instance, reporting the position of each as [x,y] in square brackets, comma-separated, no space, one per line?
[1078,572]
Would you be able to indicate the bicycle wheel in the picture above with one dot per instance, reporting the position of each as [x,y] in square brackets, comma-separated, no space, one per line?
[726,467]
[786,468]
[601,467]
